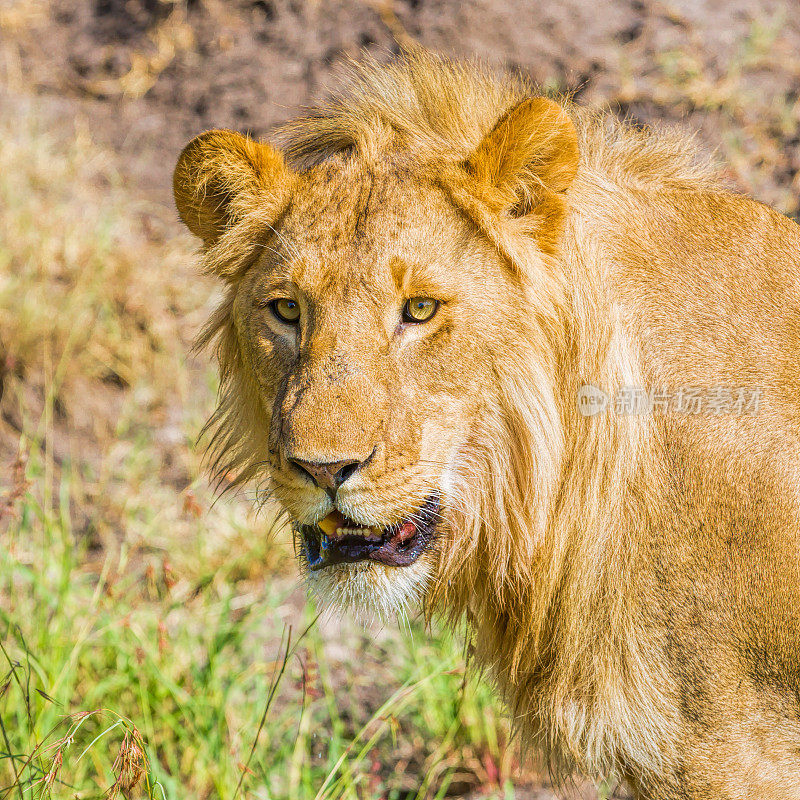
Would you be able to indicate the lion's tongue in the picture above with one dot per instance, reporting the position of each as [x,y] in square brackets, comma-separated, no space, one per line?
[407,530]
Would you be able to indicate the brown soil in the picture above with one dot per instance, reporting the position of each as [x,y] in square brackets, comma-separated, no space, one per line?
[151,73]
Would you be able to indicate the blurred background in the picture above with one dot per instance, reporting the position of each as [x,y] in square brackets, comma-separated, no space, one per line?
[154,643]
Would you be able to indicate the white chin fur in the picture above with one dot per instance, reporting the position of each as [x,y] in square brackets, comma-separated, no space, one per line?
[370,590]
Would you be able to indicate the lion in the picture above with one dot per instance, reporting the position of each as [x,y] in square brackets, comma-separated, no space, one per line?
[442,292]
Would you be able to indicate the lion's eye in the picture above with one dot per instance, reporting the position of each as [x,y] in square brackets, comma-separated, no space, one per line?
[419,309]
[286,310]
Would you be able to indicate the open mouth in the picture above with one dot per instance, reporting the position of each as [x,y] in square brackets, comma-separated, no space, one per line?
[337,539]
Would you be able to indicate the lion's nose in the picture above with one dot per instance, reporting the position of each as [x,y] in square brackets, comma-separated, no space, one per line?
[328,476]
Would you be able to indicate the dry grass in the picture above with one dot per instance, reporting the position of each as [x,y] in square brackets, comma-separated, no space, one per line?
[85,293]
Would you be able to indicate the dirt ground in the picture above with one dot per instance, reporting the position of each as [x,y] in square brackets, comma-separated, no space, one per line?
[152,73]
[144,76]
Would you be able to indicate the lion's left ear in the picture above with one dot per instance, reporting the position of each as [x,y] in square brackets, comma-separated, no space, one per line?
[532,149]
[522,169]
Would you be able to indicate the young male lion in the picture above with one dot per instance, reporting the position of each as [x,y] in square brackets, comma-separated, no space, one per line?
[533,366]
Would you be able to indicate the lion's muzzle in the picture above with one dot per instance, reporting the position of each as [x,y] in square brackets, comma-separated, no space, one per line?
[338,540]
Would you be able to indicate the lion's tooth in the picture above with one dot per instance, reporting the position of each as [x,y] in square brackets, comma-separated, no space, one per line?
[333,528]
[354,531]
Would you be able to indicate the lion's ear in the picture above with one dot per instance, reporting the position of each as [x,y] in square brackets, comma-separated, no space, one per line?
[221,176]
[532,149]
[522,169]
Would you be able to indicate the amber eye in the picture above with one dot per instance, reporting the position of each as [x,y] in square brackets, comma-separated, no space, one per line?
[286,310]
[419,309]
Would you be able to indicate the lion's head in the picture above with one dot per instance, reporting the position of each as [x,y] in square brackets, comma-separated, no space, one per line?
[386,338]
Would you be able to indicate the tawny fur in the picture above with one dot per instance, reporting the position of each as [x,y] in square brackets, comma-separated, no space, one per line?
[632,581]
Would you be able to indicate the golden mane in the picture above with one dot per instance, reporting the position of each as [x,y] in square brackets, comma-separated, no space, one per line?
[541,557]
[432,110]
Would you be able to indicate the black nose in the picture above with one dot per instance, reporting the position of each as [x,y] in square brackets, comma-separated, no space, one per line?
[328,476]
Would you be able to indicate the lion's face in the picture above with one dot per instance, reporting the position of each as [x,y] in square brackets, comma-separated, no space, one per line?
[369,409]
[373,310]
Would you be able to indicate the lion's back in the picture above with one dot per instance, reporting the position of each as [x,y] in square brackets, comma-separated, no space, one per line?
[709,283]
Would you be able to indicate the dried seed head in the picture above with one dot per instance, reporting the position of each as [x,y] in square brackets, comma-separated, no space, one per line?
[130,764]
[52,774]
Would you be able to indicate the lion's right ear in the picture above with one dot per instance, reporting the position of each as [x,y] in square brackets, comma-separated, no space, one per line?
[221,176]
